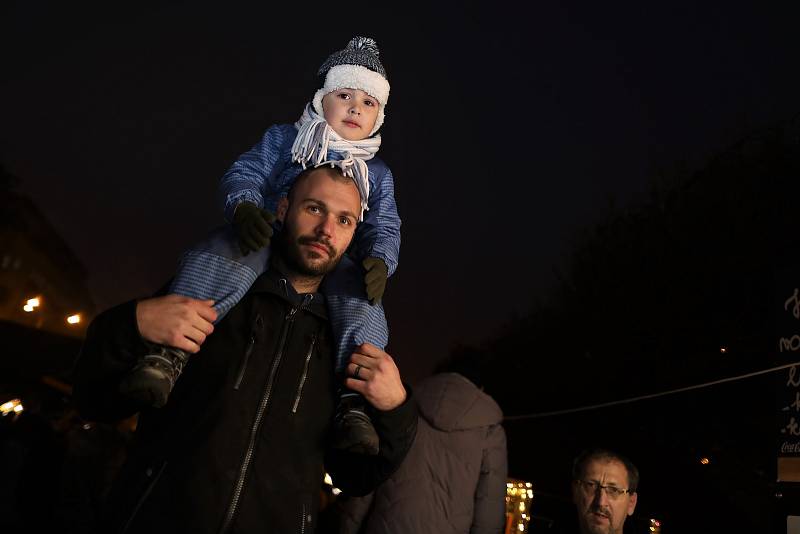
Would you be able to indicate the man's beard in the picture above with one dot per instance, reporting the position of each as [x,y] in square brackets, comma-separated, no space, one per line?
[292,255]
[601,529]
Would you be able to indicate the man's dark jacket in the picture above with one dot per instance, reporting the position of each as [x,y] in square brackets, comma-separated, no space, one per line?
[241,443]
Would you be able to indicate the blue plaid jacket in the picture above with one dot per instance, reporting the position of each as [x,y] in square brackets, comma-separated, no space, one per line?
[263,175]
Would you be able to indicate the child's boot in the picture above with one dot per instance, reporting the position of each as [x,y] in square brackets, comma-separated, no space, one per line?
[152,380]
[353,430]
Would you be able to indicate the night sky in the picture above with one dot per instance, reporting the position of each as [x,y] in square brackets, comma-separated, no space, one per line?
[508,129]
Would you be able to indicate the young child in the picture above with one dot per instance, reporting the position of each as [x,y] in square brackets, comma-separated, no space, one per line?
[338,127]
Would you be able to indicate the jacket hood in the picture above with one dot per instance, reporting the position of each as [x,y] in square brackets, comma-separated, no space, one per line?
[449,401]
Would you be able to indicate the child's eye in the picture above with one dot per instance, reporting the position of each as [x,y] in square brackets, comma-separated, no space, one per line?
[344,96]
[369,102]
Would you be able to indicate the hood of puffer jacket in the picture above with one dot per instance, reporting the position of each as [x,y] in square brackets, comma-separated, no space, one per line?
[449,401]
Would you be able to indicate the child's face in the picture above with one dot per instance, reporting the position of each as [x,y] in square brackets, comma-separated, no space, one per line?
[350,112]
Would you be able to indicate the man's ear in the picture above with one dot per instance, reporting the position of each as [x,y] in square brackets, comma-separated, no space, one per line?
[632,503]
[283,207]
[575,493]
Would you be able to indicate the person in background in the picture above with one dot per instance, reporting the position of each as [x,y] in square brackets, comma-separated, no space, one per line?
[604,485]
[453,479]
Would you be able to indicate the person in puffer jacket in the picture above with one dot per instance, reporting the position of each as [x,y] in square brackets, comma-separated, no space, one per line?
[454,477]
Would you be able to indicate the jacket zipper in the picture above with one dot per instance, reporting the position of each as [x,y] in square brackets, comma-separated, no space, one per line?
[303,520]
[262,408]
[304,375]
[250,344]
[144,496]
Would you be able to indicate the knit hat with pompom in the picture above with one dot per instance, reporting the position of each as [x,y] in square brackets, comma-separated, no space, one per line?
[355,67]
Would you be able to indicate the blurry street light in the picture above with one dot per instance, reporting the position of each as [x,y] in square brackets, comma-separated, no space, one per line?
[31,304]
[14,405]
[74,319]
[704,461]
[329,482]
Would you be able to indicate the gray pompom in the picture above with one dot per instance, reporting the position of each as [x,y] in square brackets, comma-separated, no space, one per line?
[364,43]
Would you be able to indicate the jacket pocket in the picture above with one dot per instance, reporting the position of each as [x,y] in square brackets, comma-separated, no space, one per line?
[251,343]
[153,474]
[304,376]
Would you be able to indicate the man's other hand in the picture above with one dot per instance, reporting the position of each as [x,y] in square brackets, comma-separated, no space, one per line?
[176,321]
[378,378]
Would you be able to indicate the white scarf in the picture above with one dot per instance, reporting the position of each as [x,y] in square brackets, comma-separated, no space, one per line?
[315,138]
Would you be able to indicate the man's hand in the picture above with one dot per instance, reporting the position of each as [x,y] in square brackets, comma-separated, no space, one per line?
[375,279]
[176,321]
[376,377]
[252,226]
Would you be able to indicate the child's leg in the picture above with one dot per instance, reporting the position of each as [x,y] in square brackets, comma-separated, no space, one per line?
[214,269]
[354,321]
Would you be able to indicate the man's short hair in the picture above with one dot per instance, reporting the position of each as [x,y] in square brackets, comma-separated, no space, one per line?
[579,465]
[332,172]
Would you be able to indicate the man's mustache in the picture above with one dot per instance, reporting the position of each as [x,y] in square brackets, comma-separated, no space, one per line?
[308,240]
[602,511]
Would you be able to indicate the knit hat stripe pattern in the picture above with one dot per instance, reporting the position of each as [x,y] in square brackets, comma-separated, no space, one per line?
[359,51]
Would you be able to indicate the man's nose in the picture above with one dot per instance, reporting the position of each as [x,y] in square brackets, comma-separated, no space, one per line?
[325,226]
[601,497]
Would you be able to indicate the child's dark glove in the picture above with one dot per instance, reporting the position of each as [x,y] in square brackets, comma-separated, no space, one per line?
[252,226]
[375,279]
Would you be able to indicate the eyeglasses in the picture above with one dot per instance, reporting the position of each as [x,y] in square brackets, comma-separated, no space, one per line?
[590,487]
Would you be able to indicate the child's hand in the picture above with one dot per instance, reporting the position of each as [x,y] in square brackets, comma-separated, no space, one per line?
[252,226]
[375,279]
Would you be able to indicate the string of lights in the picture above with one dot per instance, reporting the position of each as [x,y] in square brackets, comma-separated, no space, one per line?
[650,396]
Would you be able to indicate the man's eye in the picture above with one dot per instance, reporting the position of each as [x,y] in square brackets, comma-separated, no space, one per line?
[614,492]
[345,221]
[314,209]
[591,486]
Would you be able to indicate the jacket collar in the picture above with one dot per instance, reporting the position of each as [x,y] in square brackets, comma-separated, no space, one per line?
[274,282]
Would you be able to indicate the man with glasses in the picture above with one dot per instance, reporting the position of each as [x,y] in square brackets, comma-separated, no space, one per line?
[604,490]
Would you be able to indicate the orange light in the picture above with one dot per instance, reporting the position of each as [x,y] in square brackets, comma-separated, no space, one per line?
[705,461]
[723,350]
[14,405]
[74,319]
